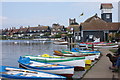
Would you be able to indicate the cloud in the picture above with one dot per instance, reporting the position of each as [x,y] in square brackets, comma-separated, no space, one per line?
[60,1]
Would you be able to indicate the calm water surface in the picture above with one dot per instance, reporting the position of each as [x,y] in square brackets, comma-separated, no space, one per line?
[13,49]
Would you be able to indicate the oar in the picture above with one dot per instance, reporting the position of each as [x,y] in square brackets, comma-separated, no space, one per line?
[11,69]
[47,65]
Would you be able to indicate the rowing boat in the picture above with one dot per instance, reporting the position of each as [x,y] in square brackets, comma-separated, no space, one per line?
[77,62]
[19,73]
[59,69]
[61,42]
[88,56]
[99,45]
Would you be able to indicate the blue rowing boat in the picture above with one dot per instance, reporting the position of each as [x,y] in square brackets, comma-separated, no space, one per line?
[59,69]
[19,73]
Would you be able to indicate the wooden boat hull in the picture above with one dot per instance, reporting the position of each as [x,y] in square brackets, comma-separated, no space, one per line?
[72,61]
[61,43]
[65,72]
[19,73]
[89,56]
[47,67]
[99,45]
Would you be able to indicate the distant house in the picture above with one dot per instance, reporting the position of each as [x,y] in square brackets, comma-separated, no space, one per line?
[4,32]
[95,27]
[57,29]
[22,31]
[14,31]
[38,31]
[8,32]
[74,29]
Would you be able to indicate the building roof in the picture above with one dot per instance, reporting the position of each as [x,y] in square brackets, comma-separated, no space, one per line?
[94,18]
[9,31]
[75,27]
[106,6]
[56,27]
[44,28]
[38,28]
[23,29]
[96,23]
[4,30]
[15,30]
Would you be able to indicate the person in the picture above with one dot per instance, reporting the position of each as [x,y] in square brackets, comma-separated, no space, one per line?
[118,51]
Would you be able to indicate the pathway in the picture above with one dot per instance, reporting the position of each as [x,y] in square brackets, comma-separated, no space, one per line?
[101,69]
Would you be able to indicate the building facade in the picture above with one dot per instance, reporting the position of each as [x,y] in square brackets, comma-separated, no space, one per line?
[106,11]
[57,29]
[95,27]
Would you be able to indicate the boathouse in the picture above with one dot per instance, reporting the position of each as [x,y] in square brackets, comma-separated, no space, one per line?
[96,27]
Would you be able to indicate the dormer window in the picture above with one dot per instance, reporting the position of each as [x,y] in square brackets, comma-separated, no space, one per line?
[59,29]
[38,30]
[53,29]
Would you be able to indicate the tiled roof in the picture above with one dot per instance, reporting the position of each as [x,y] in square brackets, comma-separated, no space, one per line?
[15,30]
[96,23]
[57,28]
[23,29]
[33,28]
[75,27]
[106,6]
[44,28]
[38,28]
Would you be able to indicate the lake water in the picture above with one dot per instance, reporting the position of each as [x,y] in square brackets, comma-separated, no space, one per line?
[13,49]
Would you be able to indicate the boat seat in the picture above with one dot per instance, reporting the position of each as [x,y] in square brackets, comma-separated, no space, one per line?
[58,52]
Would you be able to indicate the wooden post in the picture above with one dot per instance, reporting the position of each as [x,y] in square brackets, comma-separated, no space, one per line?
[92,47]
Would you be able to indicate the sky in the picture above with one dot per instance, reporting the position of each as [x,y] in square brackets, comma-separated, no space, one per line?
[16,14]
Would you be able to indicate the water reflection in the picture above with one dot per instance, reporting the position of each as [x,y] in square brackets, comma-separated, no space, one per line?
[13,49]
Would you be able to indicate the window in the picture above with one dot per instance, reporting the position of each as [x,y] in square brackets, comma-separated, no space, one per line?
[30,30]
[53,29]
[59,30]
[107,16]
[90,36]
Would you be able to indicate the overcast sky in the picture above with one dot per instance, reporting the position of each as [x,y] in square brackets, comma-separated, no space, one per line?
[16,14]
